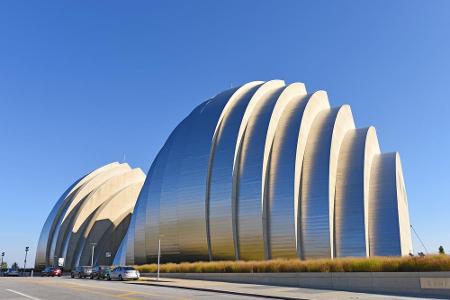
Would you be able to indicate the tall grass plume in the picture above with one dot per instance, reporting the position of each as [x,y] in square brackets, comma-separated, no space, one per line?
[372,264]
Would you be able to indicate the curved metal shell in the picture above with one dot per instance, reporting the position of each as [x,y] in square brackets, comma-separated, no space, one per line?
[318,181]
[389,231]
[175,202]
[97,202]
[84,212]
[279,171]
[191,184]
[76,207]
[107,218]
[44,242]
[144,230]
[220,175]
[317,103]
[248,172]
[284,172]
[47,239]
[351,204]
[403,210]
[66,221]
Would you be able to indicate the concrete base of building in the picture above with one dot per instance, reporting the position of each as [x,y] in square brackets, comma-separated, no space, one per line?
[418,284]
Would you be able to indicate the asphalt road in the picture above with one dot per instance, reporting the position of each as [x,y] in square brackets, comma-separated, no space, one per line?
[43,288]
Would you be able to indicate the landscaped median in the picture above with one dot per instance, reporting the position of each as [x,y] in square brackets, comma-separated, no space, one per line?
[427,276]
[374,264]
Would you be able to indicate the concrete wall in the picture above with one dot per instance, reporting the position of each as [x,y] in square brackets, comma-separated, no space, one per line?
[428,284]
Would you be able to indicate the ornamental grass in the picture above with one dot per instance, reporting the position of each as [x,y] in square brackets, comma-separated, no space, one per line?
[373,264]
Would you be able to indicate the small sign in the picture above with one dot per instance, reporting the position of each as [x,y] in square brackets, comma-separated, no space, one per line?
[108,254]
[435,283]
[60,261]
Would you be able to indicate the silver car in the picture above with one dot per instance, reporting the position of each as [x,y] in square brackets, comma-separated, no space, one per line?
[123,273]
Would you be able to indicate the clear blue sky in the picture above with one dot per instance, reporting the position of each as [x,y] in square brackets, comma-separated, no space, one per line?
[83,82]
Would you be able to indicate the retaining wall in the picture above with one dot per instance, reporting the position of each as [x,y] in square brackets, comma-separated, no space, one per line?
[424,284]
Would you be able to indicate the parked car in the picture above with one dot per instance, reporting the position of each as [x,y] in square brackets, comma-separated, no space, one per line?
[51,271]
[100,272]
[11,272]
[123,273]
[81,272]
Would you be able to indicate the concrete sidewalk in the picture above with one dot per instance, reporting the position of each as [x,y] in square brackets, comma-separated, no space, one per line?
[264,291]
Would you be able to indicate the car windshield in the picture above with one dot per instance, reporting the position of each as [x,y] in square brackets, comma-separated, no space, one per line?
[128,268]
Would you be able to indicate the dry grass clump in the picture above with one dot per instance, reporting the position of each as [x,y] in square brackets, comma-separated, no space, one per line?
[373,264]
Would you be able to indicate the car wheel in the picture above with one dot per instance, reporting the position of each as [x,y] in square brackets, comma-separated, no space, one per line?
[120,277]
[79,275]
[91,277]
[108,277]
[71,275]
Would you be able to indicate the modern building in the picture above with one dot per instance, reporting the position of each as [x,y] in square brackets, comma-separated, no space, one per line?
[91,218]
[261,171]
[267,170]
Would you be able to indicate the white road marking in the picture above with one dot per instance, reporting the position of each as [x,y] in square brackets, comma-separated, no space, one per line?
[22,294]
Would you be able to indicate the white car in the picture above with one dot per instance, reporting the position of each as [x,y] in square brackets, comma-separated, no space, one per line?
[123,273]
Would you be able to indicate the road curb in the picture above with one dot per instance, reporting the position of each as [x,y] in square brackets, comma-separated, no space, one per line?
[219,291]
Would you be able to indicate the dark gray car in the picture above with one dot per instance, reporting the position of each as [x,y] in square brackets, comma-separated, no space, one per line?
[100,272]
[11,272]
[81,272]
